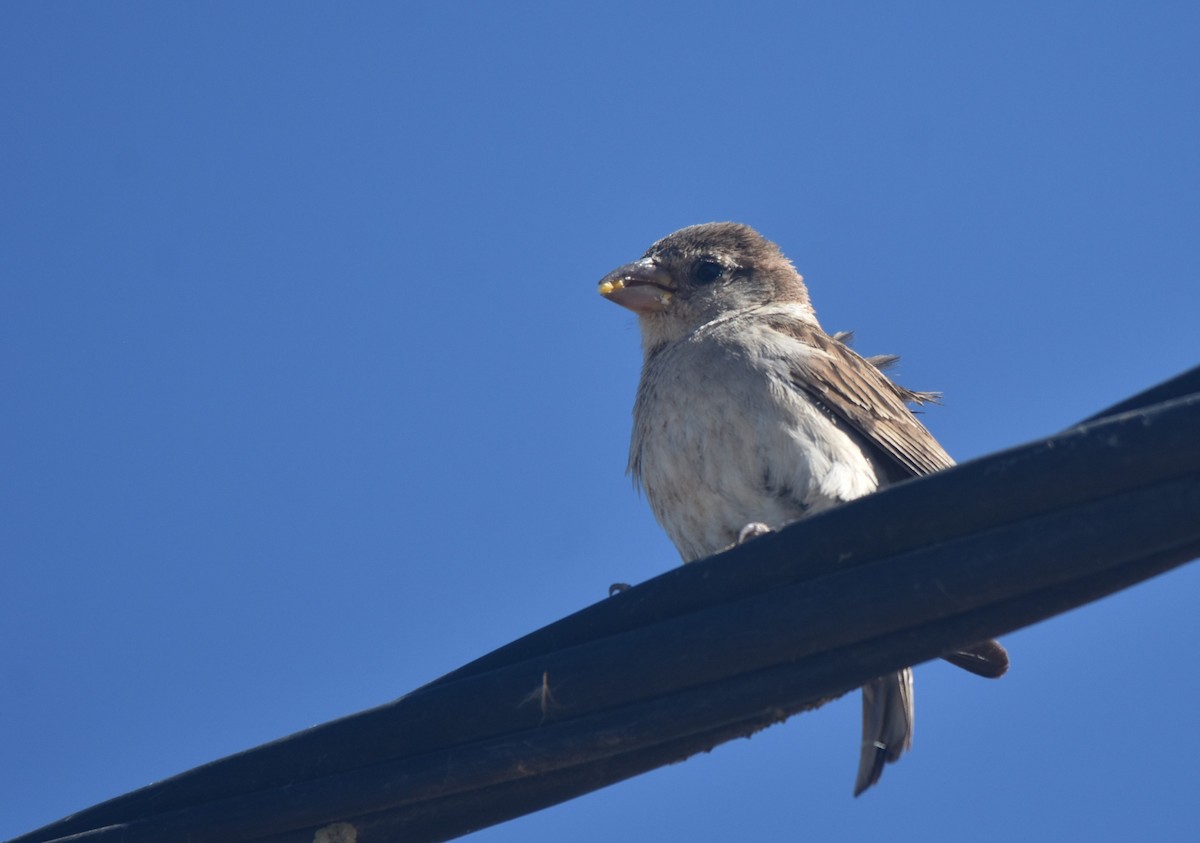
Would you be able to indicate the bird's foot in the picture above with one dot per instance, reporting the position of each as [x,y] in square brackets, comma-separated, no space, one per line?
[752,531]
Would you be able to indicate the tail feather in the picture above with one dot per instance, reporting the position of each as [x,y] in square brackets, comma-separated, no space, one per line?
[887,725]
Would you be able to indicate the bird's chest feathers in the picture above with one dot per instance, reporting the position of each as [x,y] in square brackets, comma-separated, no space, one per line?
[723,436]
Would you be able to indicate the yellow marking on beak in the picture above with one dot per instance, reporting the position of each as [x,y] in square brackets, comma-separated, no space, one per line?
[607,287]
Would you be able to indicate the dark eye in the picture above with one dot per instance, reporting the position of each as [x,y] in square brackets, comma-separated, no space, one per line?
[707,271]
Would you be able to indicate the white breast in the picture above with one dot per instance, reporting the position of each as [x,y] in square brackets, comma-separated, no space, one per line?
[723,438]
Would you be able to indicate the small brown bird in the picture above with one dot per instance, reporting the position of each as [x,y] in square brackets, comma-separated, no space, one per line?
[749,414]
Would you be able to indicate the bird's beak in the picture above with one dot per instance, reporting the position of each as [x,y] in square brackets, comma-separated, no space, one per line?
[642,286]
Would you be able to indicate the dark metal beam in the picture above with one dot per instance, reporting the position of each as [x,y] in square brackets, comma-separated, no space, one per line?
[717,649]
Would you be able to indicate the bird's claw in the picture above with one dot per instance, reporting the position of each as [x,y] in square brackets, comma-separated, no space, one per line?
[752,531]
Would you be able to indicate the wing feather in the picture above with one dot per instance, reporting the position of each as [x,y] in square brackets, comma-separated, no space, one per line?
[859,394]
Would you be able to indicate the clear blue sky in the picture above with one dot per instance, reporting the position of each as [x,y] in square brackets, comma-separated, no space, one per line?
[309,397]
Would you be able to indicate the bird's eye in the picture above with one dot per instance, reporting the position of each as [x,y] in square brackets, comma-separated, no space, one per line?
[707,271]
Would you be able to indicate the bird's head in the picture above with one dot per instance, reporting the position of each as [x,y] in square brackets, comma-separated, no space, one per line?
[701,273]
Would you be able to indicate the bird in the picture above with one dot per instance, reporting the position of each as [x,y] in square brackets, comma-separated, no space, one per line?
[749,416]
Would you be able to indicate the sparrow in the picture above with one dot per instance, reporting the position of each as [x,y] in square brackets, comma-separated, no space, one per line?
[749,416]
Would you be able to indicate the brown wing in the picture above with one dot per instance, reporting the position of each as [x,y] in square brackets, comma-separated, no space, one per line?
[853,390]
[988,659]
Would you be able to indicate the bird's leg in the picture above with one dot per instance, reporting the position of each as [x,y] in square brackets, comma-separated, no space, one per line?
[752,531]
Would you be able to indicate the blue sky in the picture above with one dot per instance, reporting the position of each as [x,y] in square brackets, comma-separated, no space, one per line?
[310,399]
